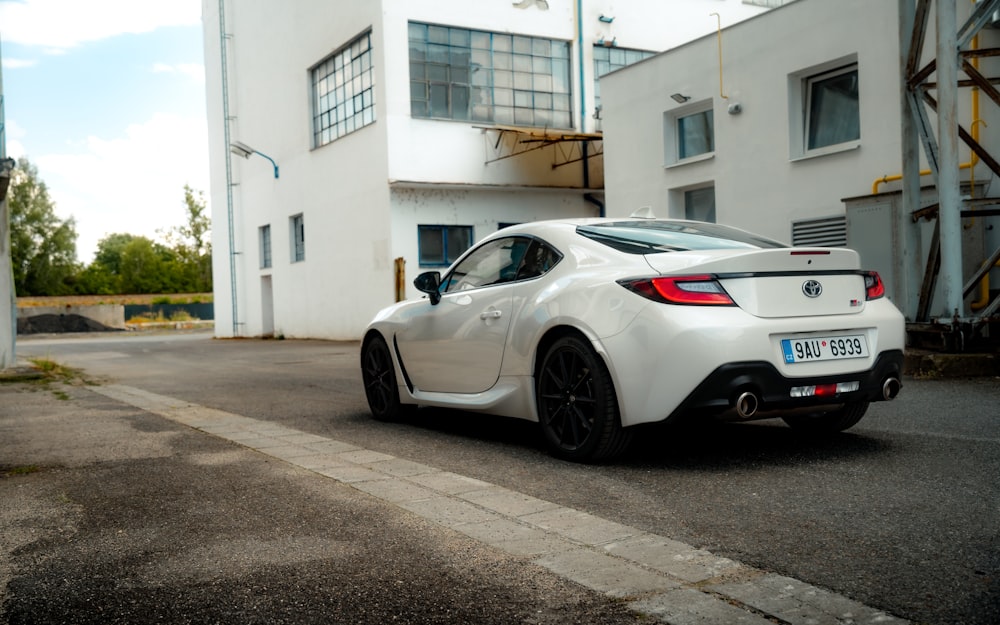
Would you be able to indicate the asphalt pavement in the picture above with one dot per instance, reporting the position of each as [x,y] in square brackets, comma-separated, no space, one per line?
[121,505]
[113,514]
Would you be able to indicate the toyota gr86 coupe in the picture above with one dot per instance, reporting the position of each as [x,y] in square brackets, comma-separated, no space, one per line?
[591,327]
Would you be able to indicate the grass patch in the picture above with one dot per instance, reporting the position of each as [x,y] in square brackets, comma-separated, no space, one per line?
[52,371]
[178,316]
[21,470]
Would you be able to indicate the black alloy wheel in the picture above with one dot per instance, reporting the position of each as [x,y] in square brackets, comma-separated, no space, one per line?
[577,406]
[380,380]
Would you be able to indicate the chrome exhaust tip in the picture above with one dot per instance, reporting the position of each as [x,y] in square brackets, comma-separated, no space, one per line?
[746,405]
[890,388]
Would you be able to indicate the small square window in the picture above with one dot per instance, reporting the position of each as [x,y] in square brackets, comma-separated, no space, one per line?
[832,108]
[695,134]
[824,108]
[442,245]
[699,204]
[298,238]
[689,133]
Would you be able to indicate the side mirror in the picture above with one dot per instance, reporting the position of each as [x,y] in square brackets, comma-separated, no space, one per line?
[429,283]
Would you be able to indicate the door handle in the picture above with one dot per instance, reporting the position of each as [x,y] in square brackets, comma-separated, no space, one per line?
[490,314]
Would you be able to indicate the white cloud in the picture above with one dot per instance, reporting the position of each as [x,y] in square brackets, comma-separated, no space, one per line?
[18,63]
[62,24]
[193,70]
[15,149]
[132,184]
[13,133]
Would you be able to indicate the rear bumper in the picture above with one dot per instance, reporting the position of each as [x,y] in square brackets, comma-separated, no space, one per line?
[719,393]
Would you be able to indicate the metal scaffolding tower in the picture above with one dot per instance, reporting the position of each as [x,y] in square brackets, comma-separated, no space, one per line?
[954,325]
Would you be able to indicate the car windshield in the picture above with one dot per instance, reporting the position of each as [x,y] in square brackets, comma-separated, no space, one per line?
[651,237]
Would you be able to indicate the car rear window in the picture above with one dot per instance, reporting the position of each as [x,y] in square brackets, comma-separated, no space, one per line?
[651,237]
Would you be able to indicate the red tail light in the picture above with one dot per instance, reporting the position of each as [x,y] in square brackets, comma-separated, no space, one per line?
[874,288]
[688,290]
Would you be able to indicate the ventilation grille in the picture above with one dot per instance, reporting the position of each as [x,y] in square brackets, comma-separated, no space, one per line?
[825,232]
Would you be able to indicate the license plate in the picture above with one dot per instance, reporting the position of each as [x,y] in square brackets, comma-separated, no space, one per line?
[818,348]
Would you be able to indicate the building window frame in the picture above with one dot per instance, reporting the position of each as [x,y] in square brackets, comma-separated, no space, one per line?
[809,116]
[442,245]
[343,91]
[699,203]
[264,237]
[680,133]
[463,74]
[297,237]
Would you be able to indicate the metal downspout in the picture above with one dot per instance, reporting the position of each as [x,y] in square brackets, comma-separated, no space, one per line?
[590,197]
[229,167]
[583,93]
[579,46]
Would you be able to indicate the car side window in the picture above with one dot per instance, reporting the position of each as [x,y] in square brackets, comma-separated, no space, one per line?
[503,260]
[484,266]
[538,260]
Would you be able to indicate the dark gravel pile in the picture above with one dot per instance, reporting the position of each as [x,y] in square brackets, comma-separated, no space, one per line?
[51,323]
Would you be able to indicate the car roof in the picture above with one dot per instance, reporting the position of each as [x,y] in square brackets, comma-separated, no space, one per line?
[562,227]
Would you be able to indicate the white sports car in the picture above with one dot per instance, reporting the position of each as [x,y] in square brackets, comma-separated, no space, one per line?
[593,326]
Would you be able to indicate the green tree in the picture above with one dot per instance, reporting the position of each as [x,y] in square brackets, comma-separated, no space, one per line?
[42,246]
[191,243]
[103,276]
[127,263]
[148,267]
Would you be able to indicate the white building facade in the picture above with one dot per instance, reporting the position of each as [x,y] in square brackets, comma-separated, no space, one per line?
[385,137]
[802,111]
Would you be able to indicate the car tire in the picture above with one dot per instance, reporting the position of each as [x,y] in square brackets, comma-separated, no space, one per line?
[379,377]
[847,416]
[577,406]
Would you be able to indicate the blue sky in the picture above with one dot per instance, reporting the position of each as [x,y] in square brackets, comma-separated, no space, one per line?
[107,99]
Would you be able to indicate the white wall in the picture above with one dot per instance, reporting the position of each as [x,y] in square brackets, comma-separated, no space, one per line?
[343,189]
[759,183]
[340,188]
[483,209]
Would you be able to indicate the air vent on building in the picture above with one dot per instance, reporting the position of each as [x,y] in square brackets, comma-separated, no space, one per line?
[825,232]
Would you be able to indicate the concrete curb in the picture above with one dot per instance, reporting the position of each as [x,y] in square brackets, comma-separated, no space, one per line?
[927,364]
[657,577]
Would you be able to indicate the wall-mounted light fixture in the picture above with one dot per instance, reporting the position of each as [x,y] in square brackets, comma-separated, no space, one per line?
[241,149]
[680,98]
[607,19]
[607,43]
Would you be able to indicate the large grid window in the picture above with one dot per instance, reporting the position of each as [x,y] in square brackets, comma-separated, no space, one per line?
[297,226]
[462,74]
[442,245]
[343,92]
[264,234]
[608,59]
[833,113]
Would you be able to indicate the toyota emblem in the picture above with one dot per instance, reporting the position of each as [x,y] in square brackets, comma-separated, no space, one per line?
[812,288]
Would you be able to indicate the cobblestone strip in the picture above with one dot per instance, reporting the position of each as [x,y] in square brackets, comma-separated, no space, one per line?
[664,579]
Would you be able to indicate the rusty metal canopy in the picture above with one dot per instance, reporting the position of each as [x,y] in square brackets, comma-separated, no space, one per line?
[505,141]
